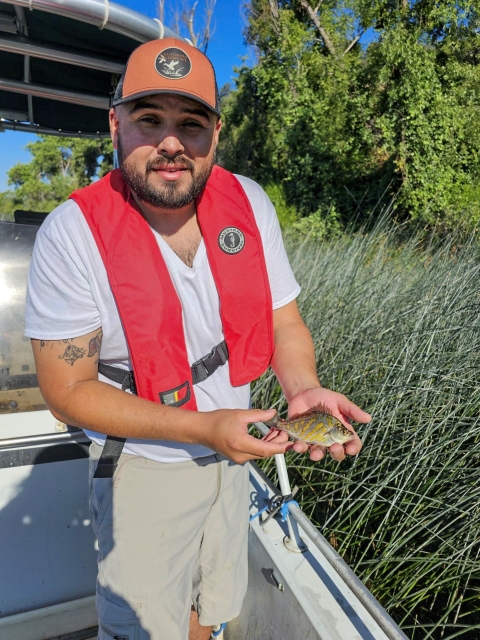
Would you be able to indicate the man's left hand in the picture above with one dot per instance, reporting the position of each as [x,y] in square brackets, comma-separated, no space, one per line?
[340,407]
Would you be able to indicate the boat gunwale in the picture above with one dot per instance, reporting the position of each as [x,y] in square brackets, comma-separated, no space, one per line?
[371,604]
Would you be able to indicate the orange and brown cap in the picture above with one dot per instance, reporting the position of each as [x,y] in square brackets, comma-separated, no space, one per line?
[169,65]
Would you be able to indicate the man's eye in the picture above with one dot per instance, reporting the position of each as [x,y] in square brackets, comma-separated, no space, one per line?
[192,123]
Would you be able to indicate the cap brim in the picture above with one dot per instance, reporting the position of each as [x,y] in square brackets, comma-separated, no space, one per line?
[154,92]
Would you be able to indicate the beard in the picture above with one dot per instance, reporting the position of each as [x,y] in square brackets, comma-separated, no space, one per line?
[171,195]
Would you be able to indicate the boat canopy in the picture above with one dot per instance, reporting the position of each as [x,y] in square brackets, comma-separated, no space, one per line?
[41,70]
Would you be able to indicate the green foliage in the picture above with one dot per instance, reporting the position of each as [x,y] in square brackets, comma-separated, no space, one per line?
[286,214]
[319,225]
[396,329]
[6,205]
[59,166]
[337,123]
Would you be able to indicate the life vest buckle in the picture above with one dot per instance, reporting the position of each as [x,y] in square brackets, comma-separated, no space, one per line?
[204,367]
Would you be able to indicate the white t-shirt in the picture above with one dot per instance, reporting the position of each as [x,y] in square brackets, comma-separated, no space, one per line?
[69,295]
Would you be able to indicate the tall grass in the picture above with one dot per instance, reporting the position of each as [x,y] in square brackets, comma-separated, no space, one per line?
[396,328]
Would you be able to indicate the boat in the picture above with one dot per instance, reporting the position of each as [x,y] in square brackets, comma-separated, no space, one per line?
[60,61]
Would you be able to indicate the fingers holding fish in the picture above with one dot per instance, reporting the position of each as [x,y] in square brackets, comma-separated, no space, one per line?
[276,435]
[226,431]
[353,447]
[321,427]
[279,436]
[317,452]
[299,446]
[342,409]
[337,452]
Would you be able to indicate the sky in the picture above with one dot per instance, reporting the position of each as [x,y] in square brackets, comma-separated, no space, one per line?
[225,50]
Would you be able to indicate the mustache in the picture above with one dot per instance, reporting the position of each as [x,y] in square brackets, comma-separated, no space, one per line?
[165,163]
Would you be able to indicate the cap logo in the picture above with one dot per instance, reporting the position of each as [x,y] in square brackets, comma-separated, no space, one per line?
[173,63]
[231,240]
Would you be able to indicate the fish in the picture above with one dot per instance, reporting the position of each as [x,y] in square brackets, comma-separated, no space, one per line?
[315,426]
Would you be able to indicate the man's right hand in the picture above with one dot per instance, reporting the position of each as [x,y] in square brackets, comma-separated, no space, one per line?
[68,376]
[226,431]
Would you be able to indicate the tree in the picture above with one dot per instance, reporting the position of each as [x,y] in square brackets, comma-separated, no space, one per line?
[184,19]
[335,125]
[289,124]
[59,166]
[425,70]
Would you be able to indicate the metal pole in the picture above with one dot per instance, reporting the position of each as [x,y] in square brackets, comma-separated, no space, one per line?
[104,15]
[56,53]
[44,91]
[46,438]
[293,542]
[23,29]
[16,126]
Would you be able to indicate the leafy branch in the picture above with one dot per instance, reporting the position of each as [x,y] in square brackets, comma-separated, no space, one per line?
[315,18]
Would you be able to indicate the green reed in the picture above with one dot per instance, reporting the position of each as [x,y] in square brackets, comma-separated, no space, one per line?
[396,327]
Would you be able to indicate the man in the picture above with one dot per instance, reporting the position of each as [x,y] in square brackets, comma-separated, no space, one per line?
[169,280]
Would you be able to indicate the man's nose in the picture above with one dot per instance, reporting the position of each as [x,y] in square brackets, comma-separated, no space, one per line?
[170,145]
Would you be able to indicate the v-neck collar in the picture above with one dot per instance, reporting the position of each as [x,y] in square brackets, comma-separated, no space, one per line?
[178,262]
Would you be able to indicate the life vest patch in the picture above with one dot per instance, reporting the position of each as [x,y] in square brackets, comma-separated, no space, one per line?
[177,396]
[231,240]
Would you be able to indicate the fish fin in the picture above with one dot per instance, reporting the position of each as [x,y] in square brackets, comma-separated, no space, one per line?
[313,411]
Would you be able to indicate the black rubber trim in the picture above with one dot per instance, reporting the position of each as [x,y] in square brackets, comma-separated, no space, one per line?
[86,634]
[43,455]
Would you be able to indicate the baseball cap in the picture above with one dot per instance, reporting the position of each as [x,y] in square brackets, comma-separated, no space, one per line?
[169,65]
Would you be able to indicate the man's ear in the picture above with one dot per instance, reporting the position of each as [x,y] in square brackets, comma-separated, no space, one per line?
[113,122]
[218,128]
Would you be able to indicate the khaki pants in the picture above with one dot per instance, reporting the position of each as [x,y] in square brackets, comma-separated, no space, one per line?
[169,535]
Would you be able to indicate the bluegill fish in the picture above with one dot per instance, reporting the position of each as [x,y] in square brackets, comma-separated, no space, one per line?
[315,426]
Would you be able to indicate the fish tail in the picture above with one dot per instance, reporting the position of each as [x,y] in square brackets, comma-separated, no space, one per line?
[273,422]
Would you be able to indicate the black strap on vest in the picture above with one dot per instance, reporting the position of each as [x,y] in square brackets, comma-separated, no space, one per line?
[201,370]
[108,460]
[125,378]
